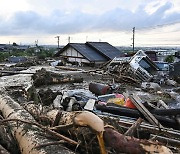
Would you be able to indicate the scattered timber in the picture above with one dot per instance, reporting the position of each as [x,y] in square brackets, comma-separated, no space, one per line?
[27,135]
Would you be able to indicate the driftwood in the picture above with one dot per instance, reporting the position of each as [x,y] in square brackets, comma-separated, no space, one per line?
[43,77]
[167,135]
[69,120]
[124,144]
[27,135]
[112,138]
[85,127]
[78,118]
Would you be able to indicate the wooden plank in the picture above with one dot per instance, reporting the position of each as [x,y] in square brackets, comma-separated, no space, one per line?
[139,104]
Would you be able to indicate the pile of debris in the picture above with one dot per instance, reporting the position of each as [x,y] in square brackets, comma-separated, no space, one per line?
[137,68]
[92,114]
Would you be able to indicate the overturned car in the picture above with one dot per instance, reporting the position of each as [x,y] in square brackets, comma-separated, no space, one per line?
[140,66]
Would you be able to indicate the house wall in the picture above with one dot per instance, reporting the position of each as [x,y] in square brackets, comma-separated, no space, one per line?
[74,56]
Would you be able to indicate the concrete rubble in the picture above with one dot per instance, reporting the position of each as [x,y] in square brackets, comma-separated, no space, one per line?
[121,107]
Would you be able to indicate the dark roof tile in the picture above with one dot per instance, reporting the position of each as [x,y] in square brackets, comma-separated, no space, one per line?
[106,49]
[88,52]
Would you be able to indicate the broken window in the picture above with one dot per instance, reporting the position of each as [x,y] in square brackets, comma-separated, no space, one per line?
[143,63]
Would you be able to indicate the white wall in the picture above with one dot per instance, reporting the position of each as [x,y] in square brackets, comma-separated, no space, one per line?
[77,57]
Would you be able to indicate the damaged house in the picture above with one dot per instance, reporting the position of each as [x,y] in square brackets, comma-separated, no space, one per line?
[89,52]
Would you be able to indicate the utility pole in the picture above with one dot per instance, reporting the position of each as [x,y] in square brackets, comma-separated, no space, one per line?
[133,38]
[58,40]
[36,43]
[69,39]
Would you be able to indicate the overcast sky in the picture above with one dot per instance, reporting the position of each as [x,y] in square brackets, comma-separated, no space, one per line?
[157,22]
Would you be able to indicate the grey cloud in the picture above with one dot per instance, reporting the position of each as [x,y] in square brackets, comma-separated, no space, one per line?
[77,21]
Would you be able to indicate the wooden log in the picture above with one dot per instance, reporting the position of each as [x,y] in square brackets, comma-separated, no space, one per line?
[80,118]
[43,77]
[28,136]
[124,144]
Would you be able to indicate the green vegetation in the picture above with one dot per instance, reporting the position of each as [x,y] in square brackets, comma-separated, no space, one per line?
[169,59]
[3,56]
[40,52]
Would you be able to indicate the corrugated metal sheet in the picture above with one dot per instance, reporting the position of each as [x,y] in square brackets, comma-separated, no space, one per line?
[106,49]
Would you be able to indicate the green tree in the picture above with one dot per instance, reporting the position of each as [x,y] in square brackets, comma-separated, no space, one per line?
[3,56]
[14,44]
[169,59]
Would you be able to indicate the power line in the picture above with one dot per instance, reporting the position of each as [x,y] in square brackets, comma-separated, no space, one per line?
[158,26]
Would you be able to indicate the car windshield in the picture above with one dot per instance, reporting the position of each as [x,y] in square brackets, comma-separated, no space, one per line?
[162,66]
[146,65]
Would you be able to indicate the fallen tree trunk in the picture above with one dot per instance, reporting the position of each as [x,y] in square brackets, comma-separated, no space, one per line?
[28,136]
[70,122]
[112,138]
[43,77]
[124,144]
